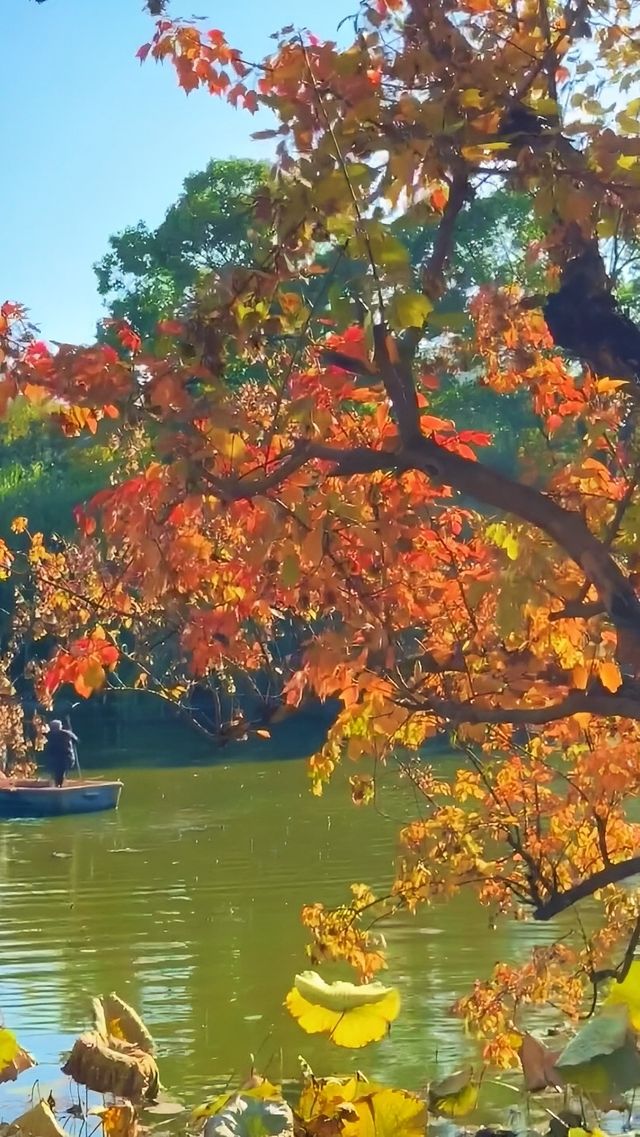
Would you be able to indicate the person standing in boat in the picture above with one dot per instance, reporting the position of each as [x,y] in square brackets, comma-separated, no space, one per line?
[59,751]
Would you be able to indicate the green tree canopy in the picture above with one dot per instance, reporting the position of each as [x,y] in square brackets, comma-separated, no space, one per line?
[148,273]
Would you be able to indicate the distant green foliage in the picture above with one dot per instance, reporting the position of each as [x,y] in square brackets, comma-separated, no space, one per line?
[148,273]
[43,474]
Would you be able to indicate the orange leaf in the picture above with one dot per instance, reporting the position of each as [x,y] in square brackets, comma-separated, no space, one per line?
[609,675]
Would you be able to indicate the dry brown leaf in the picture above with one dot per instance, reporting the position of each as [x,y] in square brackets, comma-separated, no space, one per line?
[113,1067]
[39,1122]
[538,1065]
[123,1022]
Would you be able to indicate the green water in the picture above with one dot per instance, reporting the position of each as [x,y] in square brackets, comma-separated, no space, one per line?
[186,902]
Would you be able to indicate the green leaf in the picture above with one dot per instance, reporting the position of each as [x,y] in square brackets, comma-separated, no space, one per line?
[251,1117]
[603,1058]
[628,123]
[387,251]
[452,321]
[290,570]
[601,1035]
[408,310]
[504,538]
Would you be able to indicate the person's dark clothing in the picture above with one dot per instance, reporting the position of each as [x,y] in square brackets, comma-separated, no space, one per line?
[60,754]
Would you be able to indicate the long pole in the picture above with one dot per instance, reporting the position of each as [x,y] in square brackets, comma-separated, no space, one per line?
[73,745]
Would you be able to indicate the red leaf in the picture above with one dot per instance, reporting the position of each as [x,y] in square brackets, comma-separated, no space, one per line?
[476,437]
[439,198]
[170,327]
[430,382]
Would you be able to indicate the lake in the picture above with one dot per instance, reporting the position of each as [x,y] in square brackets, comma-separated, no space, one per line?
[186,902]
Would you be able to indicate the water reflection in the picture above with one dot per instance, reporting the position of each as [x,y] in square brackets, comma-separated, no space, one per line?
[187,903]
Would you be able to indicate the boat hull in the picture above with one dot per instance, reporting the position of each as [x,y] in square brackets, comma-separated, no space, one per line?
[41,799]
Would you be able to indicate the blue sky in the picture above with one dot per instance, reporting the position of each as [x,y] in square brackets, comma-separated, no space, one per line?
[94,141]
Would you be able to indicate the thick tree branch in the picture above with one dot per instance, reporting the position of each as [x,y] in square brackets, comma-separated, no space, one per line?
[484,485]
[577,607]
[432,277]
[575,610]
[597,703]
[566,527]
[620,972]
[433,271]
[258,484]
[559,902]
[397,377]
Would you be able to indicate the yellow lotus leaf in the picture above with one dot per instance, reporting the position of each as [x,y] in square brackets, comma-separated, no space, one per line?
[339,996]
[362,1109]
[627,993]
[352,1016]
[455,1096]
[321,1096]
[388,1113]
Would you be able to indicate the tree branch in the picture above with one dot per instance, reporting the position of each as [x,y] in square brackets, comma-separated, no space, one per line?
[576,702]
[433,270]
[575,610]
[566,527]
[560,901]
[486,486]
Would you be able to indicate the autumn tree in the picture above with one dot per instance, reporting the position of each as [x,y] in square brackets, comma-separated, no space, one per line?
[437,591]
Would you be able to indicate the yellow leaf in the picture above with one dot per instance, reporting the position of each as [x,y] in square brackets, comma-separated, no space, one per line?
[228,443]
[351,1015]
[609,675]
[409,310]
[90,679]
[472,97]
[9,1047]
[339,996]
[543,106]
[511,547]
[627,994]
[355,1107]
[455,1096]
[259,1088]
[580,676]
[291,570]
[322,1096]
[387,1113]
